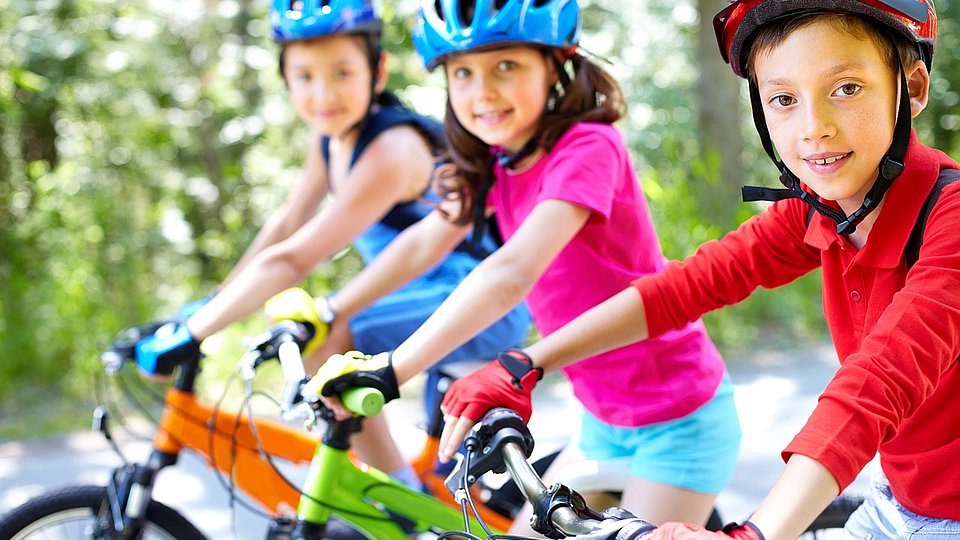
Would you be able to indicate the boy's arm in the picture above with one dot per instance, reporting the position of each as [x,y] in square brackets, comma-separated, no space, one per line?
[804,489]
[768,251]
[901,365]
[614,323]
[720,273]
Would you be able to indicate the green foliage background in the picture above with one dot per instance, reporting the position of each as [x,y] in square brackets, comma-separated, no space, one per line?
[142,144]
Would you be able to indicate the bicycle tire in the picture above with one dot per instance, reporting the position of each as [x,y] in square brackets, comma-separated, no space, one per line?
[74,510]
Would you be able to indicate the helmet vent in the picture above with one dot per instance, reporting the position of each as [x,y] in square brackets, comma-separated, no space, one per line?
[540,3]
[465,12]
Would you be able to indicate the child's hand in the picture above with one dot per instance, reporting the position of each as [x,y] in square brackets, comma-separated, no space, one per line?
[158,354]
[685,531]
[296,304]
[506,382]
[353,369]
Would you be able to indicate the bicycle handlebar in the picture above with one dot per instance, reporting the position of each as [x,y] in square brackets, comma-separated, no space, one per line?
[285,340]
[559,512]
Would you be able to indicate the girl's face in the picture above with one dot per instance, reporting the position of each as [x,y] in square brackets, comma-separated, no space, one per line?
[330,82]
[500,95]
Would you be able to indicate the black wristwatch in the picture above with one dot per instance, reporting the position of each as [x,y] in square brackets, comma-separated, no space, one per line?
[518,364]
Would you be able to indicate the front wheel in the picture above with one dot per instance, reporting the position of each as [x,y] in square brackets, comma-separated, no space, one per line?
[71,513]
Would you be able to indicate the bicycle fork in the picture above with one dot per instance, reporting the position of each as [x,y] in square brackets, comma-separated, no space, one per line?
[129,492]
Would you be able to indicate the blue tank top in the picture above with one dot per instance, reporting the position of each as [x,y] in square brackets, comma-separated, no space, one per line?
[392,113]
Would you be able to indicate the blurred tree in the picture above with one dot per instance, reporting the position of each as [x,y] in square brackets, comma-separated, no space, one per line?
[142,145]
[718,97]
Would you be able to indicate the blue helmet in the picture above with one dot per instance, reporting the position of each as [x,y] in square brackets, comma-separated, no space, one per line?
[446,27]
[295,20]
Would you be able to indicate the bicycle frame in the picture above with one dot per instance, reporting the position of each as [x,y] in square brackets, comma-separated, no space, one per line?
[335,485]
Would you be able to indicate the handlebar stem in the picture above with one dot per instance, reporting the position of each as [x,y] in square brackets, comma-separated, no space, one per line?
[559,511]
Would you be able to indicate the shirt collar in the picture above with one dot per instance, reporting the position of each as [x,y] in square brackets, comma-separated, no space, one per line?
[898,214]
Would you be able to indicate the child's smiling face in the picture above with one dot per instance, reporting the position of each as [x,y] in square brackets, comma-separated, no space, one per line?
[500,95]
[830,101]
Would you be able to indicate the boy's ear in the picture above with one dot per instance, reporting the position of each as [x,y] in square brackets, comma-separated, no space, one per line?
[381,73]
[918,81]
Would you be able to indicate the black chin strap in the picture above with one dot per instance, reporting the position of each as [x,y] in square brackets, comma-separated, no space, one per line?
[507,160]
[890,168]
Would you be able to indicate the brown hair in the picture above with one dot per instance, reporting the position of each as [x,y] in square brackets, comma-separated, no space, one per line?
[592,95]
[903,52]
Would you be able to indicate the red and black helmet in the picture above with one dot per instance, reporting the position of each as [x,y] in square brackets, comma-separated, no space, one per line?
[915,20]
[734,25]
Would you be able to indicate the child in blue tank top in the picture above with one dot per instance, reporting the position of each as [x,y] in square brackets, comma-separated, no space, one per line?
[377,157]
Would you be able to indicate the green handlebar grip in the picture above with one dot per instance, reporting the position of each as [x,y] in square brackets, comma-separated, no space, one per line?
[362,401]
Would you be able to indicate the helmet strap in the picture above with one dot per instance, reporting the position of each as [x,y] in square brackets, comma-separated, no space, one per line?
[506,160]
[891,166]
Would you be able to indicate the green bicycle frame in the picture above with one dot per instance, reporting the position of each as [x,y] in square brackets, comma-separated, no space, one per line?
[349,491]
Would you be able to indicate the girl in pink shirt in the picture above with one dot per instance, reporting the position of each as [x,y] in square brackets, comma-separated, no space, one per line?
[529,124]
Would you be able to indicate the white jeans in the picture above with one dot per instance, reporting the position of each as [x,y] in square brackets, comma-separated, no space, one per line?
[882,517]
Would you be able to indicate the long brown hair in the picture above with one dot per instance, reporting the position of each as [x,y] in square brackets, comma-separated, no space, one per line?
[591,95]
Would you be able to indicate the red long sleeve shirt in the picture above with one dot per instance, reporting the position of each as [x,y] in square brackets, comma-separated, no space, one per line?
[897,333]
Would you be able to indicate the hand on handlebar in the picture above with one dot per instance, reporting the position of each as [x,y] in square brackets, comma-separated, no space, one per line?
[685,531]
[505,382]
[159,353]
[296,304]
[353,369]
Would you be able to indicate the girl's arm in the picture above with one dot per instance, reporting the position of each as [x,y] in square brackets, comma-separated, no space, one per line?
[299,207]
[381,178]
[418,248]
[492,289]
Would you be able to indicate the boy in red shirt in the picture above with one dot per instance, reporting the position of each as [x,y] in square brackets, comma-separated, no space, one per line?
[834,85]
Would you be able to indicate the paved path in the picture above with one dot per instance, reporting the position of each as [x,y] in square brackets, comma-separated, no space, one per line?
[774,396]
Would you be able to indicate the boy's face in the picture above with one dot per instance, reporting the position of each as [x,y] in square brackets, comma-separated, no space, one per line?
[830,101]
[330,82]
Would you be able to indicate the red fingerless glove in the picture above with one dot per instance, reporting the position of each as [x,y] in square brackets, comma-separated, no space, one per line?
[685,531]
[506,382]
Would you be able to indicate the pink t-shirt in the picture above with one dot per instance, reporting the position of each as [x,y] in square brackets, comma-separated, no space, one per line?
[651,381]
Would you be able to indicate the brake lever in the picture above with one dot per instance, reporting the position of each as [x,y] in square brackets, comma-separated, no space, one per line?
[266,345]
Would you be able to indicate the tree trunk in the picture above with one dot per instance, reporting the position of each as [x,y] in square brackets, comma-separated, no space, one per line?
[719,121]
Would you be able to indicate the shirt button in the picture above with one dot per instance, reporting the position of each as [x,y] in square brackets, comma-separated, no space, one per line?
[855,296]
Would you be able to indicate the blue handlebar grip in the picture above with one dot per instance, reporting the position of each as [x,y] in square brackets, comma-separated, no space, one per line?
[362,401]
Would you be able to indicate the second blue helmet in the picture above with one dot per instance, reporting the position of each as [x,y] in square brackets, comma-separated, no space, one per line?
[295,20]
[446,27]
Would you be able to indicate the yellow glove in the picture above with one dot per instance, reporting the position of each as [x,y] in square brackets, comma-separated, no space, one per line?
[296,304]
[354,369]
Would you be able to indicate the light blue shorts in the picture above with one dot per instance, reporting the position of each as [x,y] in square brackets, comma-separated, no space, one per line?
[390,321]
[696,452]
[882,516]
